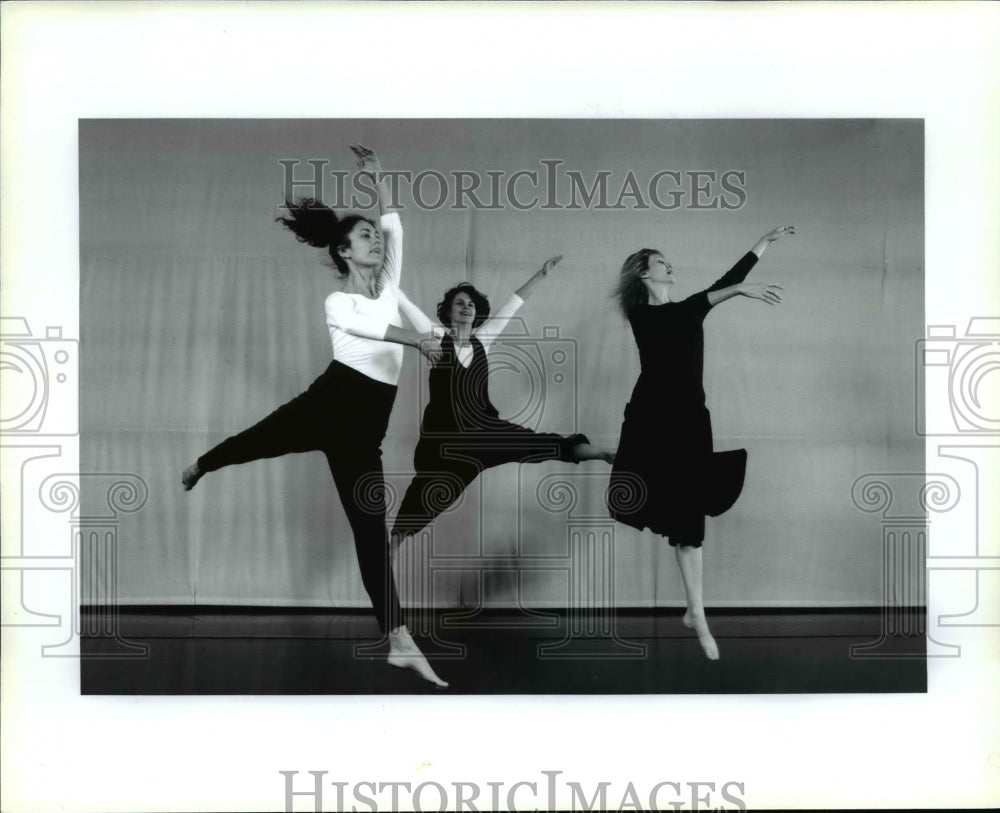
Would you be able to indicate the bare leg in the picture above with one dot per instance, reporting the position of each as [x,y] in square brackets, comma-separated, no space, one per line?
[588,451]
[190,476]
[404,653]
[403,650]
[690,563]
[396,540]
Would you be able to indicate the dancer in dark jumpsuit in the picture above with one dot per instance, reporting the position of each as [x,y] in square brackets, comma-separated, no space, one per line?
[462,433]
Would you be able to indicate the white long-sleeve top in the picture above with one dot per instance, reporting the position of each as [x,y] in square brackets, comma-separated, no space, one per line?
[487,332]
[358,324]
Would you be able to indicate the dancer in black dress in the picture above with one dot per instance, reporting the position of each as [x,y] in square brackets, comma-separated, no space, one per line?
[462,433]
[345,412]
[666,476]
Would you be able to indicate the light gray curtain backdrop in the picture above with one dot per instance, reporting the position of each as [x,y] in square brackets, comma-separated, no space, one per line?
[199,315]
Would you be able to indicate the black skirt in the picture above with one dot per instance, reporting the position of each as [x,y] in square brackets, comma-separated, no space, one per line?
[667,476]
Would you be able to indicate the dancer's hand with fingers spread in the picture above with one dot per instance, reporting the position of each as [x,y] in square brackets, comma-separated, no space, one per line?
[765,292]
[367,160]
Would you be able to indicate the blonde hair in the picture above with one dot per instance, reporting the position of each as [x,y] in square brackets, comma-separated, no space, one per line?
[630,292]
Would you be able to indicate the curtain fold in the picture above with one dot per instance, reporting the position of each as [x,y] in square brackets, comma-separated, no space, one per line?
[200,315]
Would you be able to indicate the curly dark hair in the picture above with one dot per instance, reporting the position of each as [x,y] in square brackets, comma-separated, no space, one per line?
[630,292]
[315,223]
[481,302]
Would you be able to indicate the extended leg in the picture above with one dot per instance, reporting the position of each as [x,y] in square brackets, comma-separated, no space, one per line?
[690,562]
[290,428]
[436,486]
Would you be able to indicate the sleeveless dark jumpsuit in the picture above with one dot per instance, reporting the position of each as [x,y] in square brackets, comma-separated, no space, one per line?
[462,434]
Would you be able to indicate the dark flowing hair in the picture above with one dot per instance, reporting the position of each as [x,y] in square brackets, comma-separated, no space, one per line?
[630,292]
[315,223]
[481,302]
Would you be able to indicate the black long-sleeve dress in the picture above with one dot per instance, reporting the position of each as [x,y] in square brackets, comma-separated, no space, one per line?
[666,475]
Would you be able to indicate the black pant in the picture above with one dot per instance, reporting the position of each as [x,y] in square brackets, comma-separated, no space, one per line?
[343,414]
[446,463]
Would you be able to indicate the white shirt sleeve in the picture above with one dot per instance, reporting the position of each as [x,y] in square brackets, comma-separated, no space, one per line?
[488,331]
[340,313]
[392,247]
[416,317]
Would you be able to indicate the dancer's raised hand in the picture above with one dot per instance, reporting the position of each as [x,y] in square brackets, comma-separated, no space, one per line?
[550,263]
[367,159]
[770,237]
[526,290]
[780,231]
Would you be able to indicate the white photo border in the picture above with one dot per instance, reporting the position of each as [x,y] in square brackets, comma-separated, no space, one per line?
[63,62]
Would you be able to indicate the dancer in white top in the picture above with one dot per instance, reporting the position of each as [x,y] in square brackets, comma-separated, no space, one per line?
[345,412]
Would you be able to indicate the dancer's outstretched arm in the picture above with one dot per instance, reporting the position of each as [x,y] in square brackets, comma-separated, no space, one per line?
[494,326]
[732,284]
[416,317]
[526,290]
[340,313]
[761,245]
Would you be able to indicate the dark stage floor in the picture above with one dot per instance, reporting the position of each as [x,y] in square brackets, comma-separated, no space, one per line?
[150,651]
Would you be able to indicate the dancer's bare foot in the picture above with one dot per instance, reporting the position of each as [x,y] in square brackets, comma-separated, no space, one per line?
[404,653]
[190,476]
[700,626]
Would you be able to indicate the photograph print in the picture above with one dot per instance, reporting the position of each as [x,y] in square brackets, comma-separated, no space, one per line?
[513,406]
